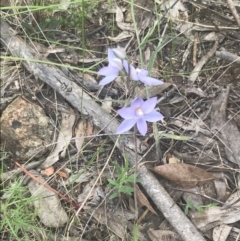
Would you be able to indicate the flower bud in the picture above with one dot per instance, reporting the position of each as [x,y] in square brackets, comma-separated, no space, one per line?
[119,52]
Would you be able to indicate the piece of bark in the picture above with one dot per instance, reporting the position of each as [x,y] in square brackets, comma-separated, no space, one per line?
[85,104]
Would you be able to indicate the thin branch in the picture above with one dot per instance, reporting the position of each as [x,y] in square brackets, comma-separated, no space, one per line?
[75,205]
[234,12]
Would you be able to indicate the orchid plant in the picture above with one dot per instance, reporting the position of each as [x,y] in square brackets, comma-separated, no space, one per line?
[140,111]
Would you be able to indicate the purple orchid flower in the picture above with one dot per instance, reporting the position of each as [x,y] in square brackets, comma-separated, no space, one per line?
[139,112]
[112,70]
[141,75]
[119,52]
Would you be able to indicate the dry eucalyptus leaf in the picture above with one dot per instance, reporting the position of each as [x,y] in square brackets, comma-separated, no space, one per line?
[184,175]
[120,37]
[64,138]
[196,199]
[230,135]
[48,171]
[126,26]
[119,15]
[213,217]
[221,232]
[162,235]
[151,91]
[107,104]
[78,178]
[80,132]
[89,130]
[62,174]
[47,205]
[116,221]
[173,160]
[221,189]
[144,201]
[176,10]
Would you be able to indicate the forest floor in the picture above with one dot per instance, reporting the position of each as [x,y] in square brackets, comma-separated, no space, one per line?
[65,172]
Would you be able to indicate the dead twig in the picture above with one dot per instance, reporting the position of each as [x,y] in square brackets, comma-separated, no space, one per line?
[10,174]
[193,76]
[75,205]
[234,12]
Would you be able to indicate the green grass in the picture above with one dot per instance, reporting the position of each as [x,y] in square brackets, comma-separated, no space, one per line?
[18,217]
[124,182]
[191,206]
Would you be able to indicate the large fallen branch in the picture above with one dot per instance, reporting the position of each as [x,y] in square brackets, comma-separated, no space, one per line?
[88,107]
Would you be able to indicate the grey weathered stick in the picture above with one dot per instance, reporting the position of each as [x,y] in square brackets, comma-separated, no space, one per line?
[87,106]
[225,55]
[10,174]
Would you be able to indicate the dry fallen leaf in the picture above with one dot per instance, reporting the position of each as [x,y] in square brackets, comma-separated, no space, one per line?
[47,205]
[62,174]
[107,104]
[89,130]
[143,200]
[221,232]
[83,129]
[184,175]
[116,221]
[80,132]
[173,160]
[230,135]
[121,36]
[162,235]
[64,138]
[48,171]
[213,217]
[119,15]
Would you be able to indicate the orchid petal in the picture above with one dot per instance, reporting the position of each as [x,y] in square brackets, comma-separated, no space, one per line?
[142,73]
[153,116]
[137,102]
[119,52]
[150,81]
[139,112]
[126,125]
[127,113]
[111,55]
[133,72]
[116,63]
[107,80]
[149,105]
[142,126]
[125,65]
[109,70]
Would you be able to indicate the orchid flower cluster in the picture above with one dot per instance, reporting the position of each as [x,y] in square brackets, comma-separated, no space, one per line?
[140,111]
